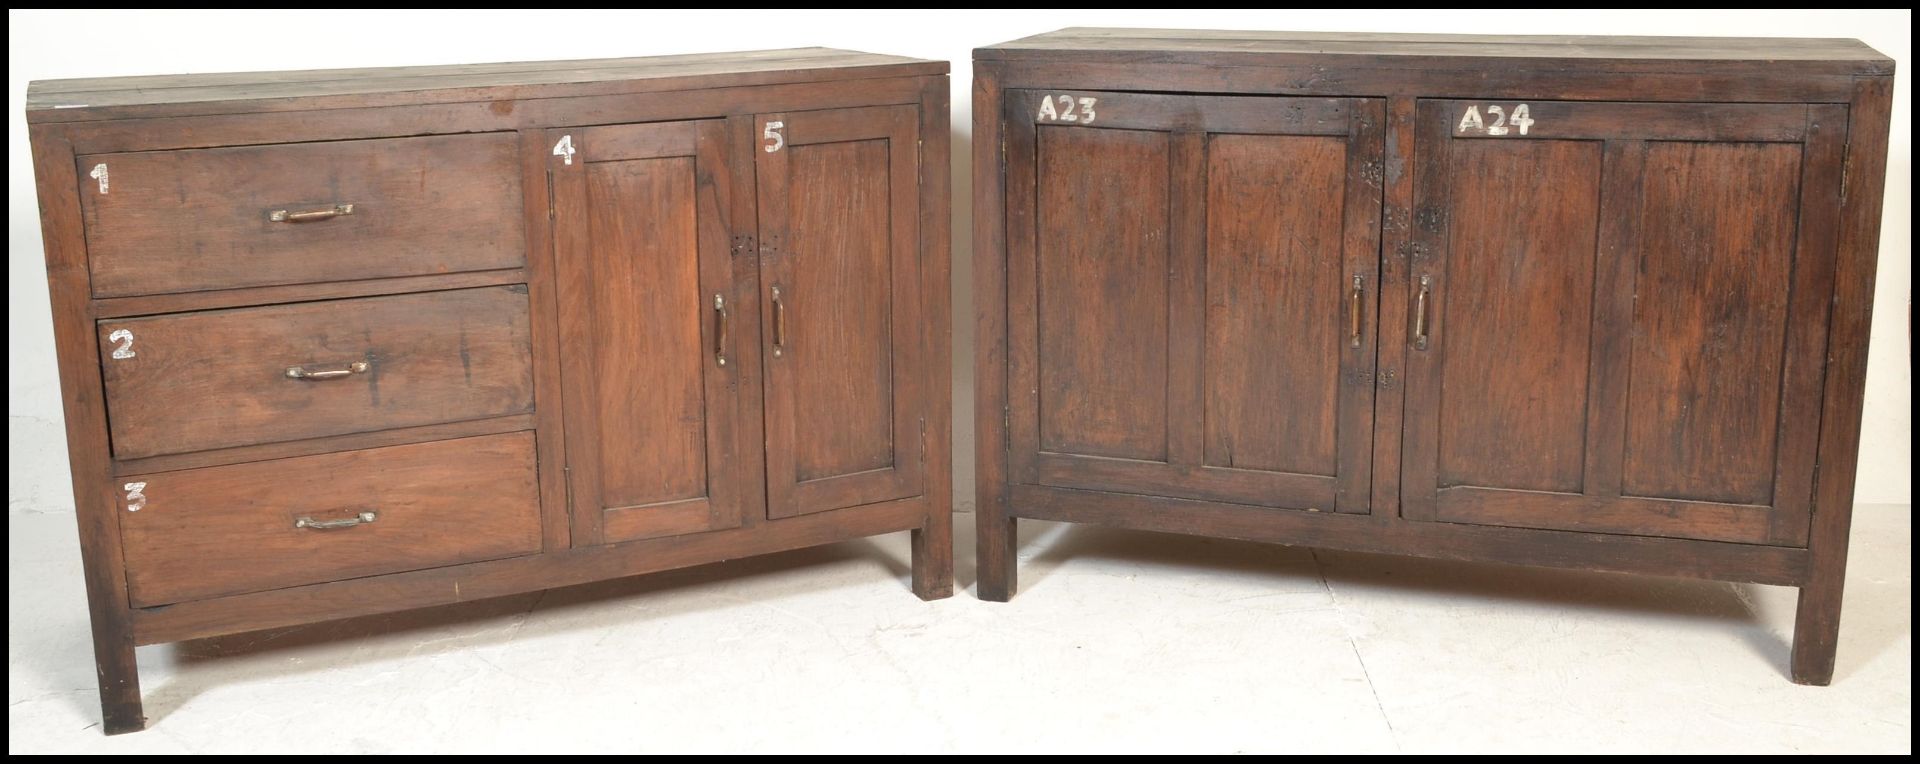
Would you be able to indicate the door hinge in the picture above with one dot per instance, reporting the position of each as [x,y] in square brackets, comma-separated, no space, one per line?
[566,476]
[1006,427]
[923,442]
[549,194]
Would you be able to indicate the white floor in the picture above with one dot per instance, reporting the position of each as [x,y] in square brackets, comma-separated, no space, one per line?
[1117,642]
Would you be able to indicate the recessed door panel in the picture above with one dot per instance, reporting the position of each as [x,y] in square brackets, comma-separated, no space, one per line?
[1102,198]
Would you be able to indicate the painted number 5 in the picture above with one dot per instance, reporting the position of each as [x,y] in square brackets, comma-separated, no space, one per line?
[1066,108]
[771,133]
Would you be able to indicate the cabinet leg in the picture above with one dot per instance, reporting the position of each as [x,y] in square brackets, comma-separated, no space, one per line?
[997,539]
[119,675]
[933,557]
[1816,632]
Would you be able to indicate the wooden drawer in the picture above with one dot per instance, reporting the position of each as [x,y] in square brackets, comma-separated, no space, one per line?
[217,379]
[180,221]
[242,528]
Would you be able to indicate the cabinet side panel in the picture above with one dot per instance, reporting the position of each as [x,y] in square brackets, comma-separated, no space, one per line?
[843,309]
[647,354]
[1274,295]
[1103,294]
[1518,313]
[1710,320]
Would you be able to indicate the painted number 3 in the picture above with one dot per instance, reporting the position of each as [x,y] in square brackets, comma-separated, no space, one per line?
[1497,122]
[1066,108]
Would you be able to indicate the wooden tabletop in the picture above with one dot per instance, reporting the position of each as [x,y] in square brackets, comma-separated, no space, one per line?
[1598,53]
[184,94]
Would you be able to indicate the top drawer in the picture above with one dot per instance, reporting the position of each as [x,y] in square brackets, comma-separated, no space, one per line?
[180,221]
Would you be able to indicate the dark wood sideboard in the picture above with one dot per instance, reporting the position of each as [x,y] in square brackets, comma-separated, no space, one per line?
[335,343]
[1584,302]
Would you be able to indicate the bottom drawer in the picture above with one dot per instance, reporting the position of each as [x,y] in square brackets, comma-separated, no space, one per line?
[216,531]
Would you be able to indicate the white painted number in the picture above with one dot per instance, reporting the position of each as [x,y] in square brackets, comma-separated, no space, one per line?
[136,496]
[1503,123]
[564,149]
[100,174]
[775,141]
[125,338]
[1520,119]
[1066,108]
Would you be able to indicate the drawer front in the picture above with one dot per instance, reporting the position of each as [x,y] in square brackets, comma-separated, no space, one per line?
[240,528]
[179,221]
[198,381]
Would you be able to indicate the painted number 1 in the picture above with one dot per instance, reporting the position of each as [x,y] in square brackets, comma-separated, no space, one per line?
[1498,121]
[1066,108]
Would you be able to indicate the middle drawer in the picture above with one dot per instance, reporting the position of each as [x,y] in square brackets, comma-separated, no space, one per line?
[224,378]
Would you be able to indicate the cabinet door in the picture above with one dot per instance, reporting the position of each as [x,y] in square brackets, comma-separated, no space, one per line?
[652,407]
[846,357]
[1619,316]
[1191,295]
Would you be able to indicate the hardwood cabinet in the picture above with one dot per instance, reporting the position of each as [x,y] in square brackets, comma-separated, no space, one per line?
[1584,302]
[347,342]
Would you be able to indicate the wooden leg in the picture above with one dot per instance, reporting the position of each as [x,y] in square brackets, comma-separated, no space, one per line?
[1816,635]
[994,550]
[933,557]
[1816,623]
[119,675]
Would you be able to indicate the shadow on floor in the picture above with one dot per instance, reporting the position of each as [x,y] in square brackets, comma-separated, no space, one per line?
[194,659]
[1045,548]
[1876,618]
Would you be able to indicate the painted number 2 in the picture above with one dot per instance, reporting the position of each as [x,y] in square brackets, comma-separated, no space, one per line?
[1498,121]
[1066,108]
[125,340]
[775,141]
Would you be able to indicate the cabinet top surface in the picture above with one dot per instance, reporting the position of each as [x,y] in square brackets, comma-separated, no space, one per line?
[1387,50]
[188,94]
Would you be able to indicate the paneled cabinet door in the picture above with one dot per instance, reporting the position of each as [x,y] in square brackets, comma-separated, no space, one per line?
[1619,315]
[649,330]
[845,350]
[1191,295]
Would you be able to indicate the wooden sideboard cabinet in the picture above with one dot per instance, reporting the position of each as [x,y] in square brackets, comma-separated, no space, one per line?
[336,343]
[1584,302]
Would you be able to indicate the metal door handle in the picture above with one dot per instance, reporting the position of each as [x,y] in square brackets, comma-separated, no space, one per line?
[310,216]
[343,370]
[326,525]
[719,330]
[1356,319]
[1420,312]
[779,323]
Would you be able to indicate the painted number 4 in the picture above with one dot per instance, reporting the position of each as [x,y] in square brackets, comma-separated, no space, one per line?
[1497,122]
[1066,108]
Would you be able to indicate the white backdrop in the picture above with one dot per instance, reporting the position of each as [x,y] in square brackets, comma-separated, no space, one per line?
[54,44]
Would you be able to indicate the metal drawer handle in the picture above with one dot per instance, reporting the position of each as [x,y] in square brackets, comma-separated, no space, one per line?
[347,370]
[779,323]
[1357,320]
[310,216]
[1420,312]
[719,330]
[326,525]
